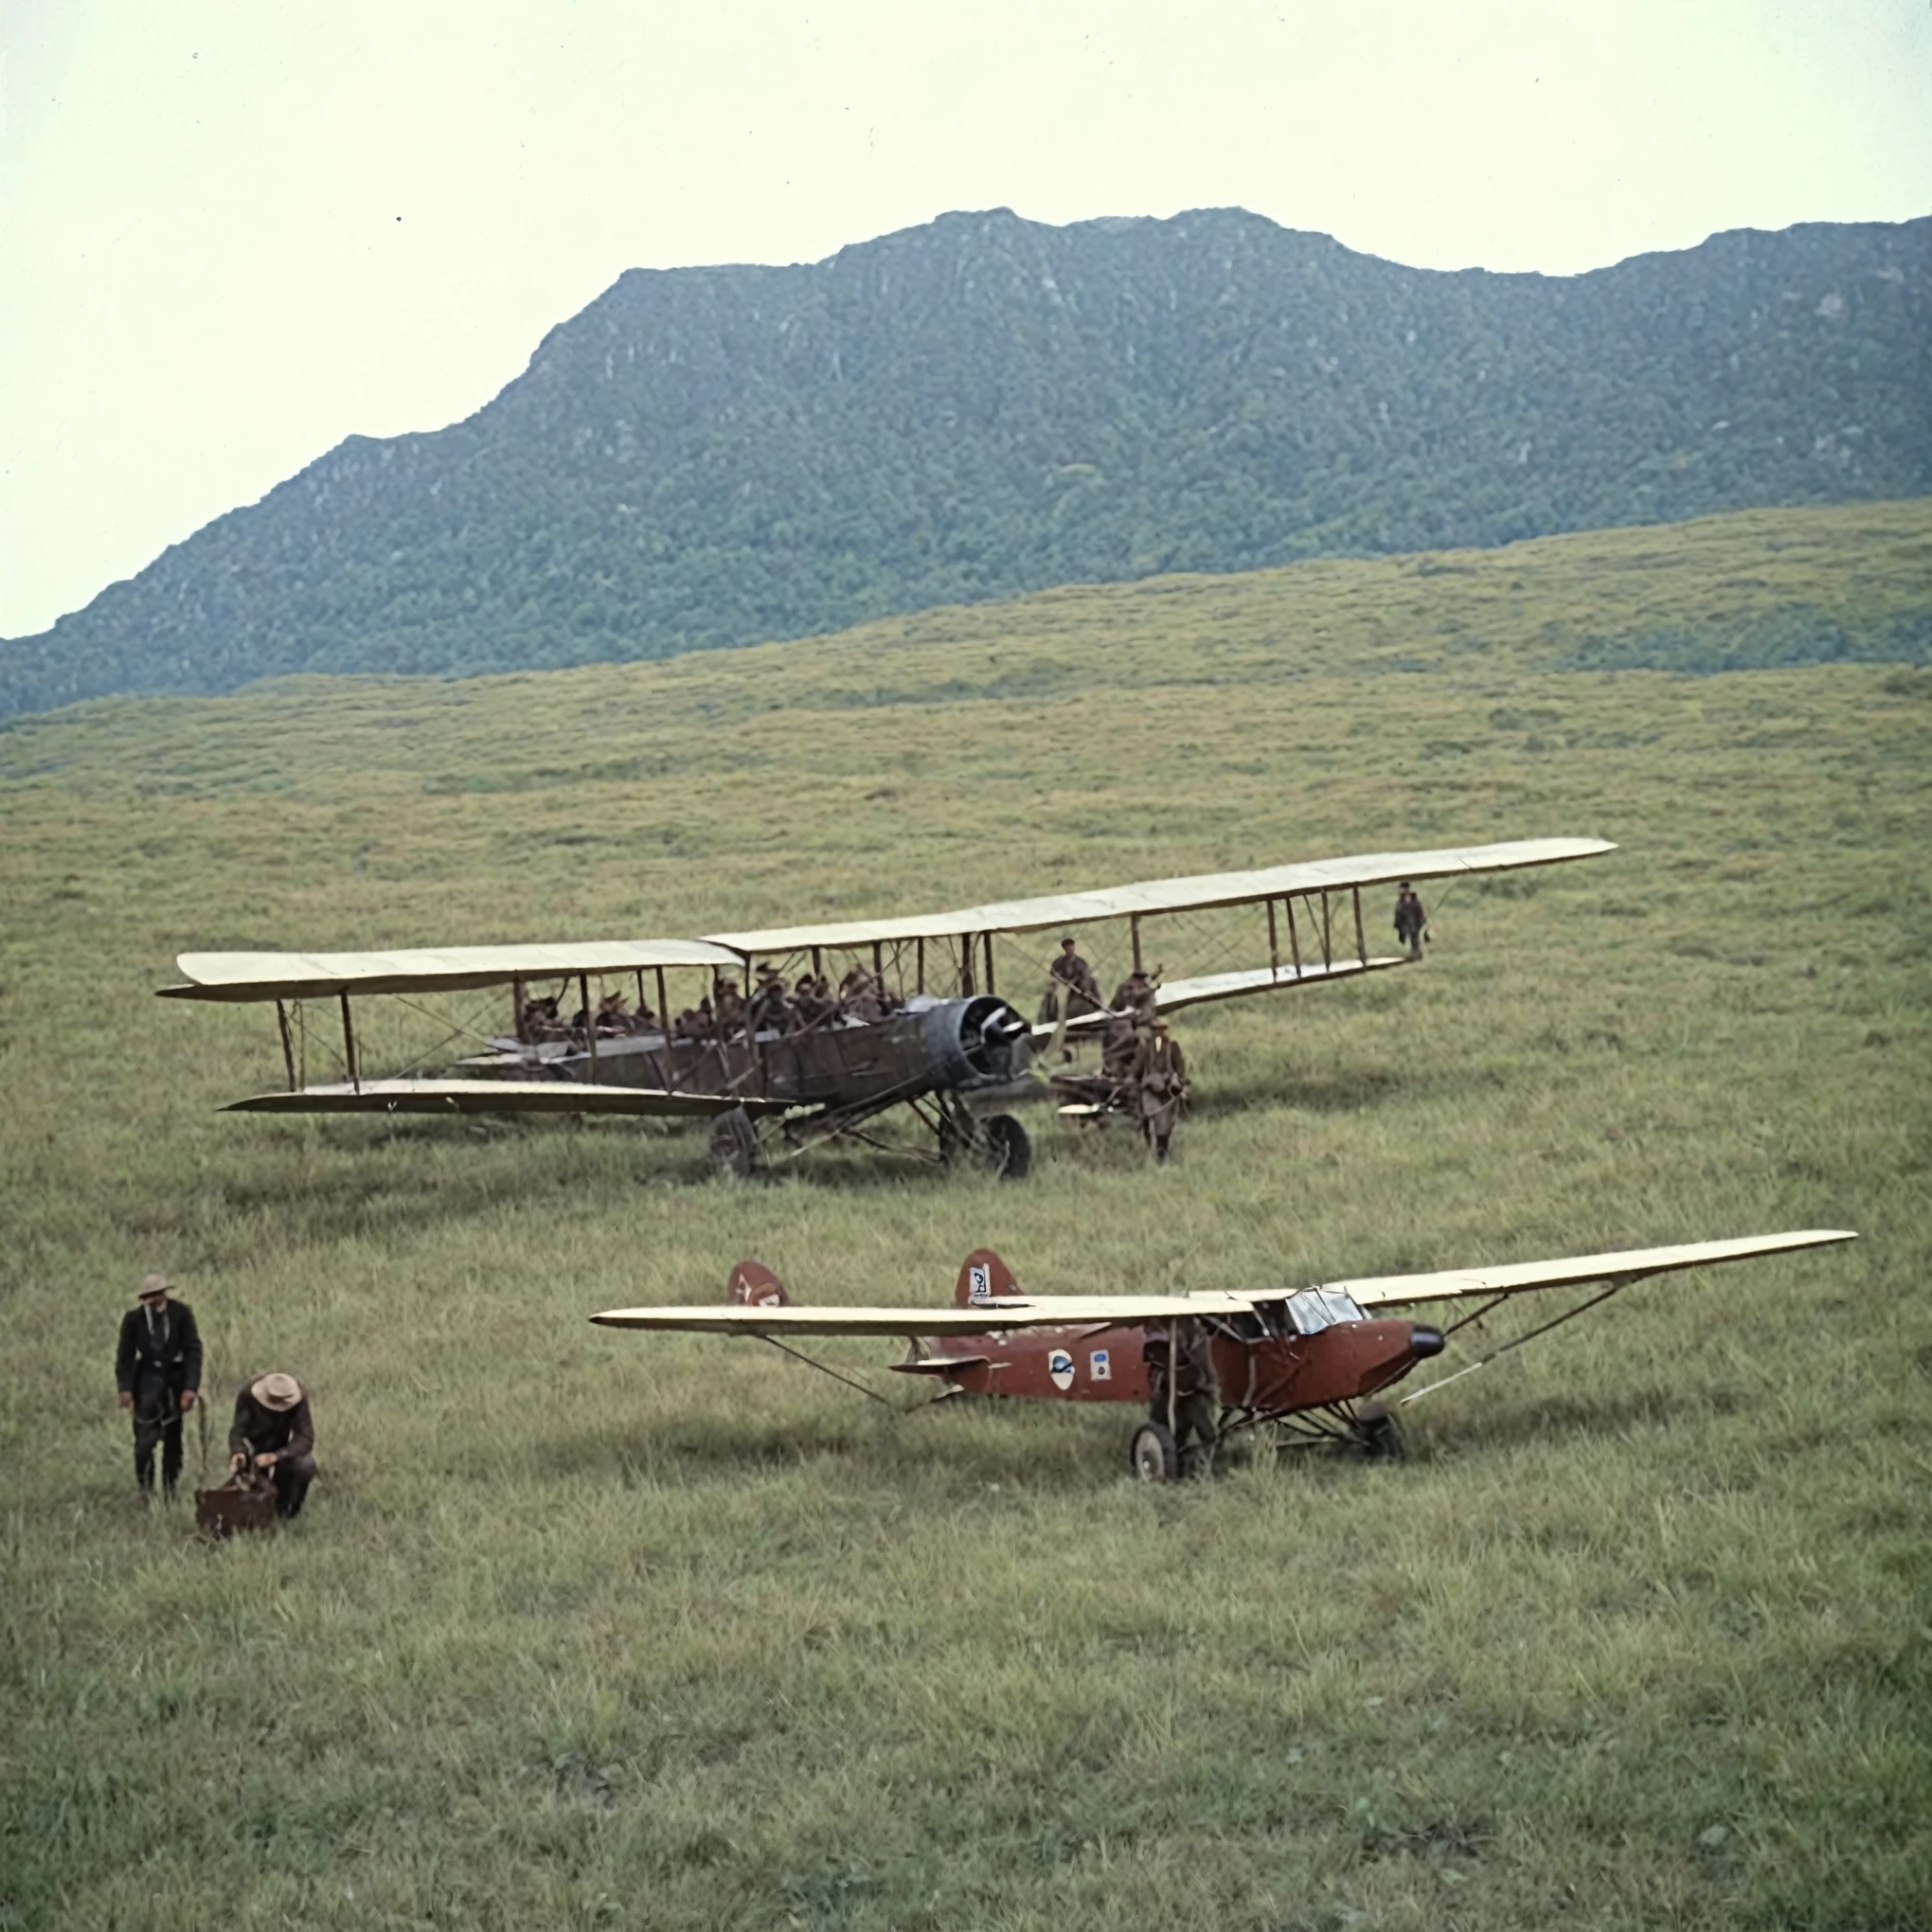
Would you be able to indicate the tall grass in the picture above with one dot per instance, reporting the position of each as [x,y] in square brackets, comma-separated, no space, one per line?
[586,1629]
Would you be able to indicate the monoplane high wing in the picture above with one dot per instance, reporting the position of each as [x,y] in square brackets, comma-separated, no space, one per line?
[979,1318]
[1580,1271]
[1012,1313]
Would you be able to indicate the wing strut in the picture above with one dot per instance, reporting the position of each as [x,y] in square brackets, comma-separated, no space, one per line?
[826,1368]
[288,1045]
[1581,1307]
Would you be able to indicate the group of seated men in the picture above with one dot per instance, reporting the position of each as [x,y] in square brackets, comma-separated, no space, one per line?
[724,1013]
[541,1019]
[810,1003]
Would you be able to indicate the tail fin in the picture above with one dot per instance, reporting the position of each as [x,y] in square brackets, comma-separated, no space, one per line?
[983,1277]
[755,1285]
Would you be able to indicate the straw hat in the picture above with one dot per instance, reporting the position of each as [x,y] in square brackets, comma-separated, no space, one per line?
[277,1391]
[155,1284]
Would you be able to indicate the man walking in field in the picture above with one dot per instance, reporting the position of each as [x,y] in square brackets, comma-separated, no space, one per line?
[274,1433]
[1412,922]
[157,1370]
[1160,1080]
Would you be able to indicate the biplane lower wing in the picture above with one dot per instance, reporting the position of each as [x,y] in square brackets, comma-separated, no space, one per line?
[1580,1271]
[1177,994]
[495,1096]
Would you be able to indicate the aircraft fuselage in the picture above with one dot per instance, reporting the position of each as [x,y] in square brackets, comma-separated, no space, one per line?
[1266,1374]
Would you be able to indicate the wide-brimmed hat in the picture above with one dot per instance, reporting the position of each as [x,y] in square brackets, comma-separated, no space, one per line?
[277,1391]
[155,1284]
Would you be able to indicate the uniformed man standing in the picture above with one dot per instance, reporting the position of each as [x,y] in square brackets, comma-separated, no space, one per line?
[1160,1080]
[1120,1047]
[1136,998]
[273,1432]
[1075,984]
[157,1369]
[1412,922]
[1196,1409]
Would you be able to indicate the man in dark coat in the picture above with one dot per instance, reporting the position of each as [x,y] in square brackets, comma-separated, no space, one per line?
[157,1370]
[1412,922]
[273,1433]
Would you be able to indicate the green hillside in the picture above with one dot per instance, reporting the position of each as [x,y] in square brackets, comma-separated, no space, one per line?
[986,406]
[583,1631]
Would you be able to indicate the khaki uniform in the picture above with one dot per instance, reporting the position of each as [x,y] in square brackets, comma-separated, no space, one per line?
[1083,994]
[1412,922]
[859,995]
[811,1004]
[1161,1074]
[771,1012]
[1119,1044]
[1198,1393]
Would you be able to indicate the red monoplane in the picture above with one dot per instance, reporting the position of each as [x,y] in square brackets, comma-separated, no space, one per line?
[1308,1363]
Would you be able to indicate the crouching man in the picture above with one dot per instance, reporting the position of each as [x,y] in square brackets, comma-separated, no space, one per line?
[273,1433]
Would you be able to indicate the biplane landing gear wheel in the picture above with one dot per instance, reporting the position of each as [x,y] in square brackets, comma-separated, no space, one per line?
[1152,1455]
[734,1145]
[1381,1435]
[1009,1152]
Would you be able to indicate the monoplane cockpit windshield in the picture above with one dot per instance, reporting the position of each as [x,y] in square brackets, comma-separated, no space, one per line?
[1315,1309]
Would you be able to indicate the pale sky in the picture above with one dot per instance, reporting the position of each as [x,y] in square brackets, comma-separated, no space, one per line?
[233,232]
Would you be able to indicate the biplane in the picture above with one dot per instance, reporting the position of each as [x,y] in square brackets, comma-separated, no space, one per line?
[1307,1365]
[940,1028]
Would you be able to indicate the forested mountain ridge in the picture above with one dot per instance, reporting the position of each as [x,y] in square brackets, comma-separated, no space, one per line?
[985,405]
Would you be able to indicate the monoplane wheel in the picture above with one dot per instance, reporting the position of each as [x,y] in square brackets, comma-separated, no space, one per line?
[1153,1456]
[1009,1152]
[1381,1435]
[734,1144]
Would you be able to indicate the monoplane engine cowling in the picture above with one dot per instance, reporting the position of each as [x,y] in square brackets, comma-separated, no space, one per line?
[974,1043]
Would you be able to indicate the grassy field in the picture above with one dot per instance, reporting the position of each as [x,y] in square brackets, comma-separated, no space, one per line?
[584,1629]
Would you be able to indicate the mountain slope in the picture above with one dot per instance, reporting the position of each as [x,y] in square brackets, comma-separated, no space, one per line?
[985,405]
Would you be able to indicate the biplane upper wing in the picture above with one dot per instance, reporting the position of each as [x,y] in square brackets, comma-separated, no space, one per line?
[1195,893]
[979,1318]
[1632,1264]
[237,976]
